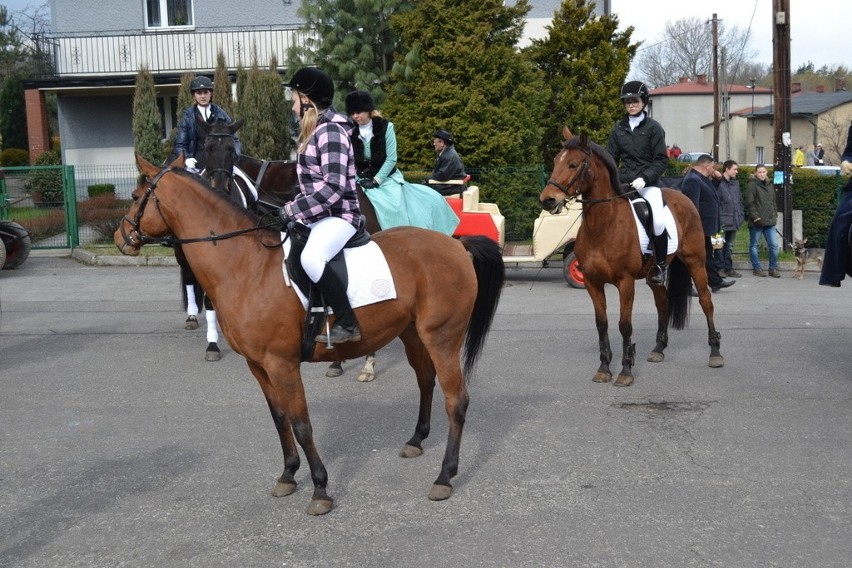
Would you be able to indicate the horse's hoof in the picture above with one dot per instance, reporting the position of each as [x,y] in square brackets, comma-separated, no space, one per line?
[366,376]
[656,357]
[212,353]
[320,506]
[335,369]
[716,361]
[623,381]
[440,492]
[409,451]
[282,489]
[601,377]
[191,323]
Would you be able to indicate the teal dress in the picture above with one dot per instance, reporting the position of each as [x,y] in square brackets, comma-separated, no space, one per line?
[398,202]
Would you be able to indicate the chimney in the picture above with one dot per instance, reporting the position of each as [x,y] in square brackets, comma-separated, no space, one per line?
[820,88]
[839,84]
[701,79]
[683,79]
[796,87]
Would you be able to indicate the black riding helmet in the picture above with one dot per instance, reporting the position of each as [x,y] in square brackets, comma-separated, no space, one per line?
[315,84]
[201,83]
[635,89]
[359,101]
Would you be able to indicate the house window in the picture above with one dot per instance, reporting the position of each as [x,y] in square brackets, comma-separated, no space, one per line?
[758,155]
[168,13]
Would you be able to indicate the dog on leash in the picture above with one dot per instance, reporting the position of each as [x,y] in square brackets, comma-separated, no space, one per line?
[804,256]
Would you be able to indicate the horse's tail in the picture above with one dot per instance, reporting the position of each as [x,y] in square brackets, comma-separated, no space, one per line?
[490,276]
[680,284]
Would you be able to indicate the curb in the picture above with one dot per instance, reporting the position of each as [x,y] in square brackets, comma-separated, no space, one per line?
[86,257]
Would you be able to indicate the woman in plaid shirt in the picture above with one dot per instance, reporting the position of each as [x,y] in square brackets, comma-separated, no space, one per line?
[327,202]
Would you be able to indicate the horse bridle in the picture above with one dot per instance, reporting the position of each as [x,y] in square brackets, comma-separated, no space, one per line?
[136,238]
[582,176]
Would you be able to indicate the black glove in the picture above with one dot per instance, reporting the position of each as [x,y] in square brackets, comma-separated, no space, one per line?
[368,183]
[285,218]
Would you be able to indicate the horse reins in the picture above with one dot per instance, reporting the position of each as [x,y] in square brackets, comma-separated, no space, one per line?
[136,237]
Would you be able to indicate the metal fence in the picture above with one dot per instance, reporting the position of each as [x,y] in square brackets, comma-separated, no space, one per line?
[70,206]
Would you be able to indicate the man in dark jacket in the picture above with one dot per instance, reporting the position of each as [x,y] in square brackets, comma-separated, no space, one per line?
[189,140]
[698,187]
[731,215]
[448,165]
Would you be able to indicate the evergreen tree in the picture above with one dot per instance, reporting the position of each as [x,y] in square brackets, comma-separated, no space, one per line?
[460,70]
[242,79]
[352,41]
[13,114]
[266,134]
[147,126]
[184,100]
[585,61]
[222,86]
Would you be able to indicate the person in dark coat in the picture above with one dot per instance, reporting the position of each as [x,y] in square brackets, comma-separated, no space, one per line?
[835,264]
[448,164]
[760,210]
[637,143]
[698,187]
[731,215]
[189,141]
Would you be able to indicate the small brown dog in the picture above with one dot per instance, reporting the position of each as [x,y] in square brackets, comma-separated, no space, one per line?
[804,256]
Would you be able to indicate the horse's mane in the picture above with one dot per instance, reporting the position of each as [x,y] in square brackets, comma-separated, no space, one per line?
[217,194]
[573,143]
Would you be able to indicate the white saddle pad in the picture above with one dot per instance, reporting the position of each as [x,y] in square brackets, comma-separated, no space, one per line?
[671,229]
[370,279]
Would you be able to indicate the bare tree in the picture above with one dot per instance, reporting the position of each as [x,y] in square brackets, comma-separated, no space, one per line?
[685,49]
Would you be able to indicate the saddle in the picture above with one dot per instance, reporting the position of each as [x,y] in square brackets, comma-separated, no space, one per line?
[317,310]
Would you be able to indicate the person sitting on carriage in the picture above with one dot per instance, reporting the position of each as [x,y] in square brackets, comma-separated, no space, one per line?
[189,140]
[395,201]
[637,143]
[327,202]
[448,165]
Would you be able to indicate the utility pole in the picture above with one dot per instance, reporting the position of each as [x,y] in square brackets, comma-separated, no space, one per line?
[782,111]
[715,22]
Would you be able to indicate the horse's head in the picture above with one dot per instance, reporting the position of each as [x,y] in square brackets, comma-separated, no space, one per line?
[143,222]
[571,172]
[220,153]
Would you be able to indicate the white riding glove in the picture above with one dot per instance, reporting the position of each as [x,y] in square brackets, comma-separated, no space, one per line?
[638,183]
[191,163]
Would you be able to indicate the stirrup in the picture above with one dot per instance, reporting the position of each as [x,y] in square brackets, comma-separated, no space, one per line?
[658,275]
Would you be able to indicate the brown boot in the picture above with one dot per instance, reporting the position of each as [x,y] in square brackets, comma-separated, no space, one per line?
[773,272]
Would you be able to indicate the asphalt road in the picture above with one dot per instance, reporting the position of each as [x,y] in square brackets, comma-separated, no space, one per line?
[121,446]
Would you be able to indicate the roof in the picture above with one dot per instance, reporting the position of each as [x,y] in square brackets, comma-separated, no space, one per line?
[704,87]
[811,104]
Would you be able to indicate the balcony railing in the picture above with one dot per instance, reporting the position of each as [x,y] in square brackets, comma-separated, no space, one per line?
[165,52]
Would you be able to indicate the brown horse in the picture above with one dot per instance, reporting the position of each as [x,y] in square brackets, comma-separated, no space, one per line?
[609,252]
[447,295]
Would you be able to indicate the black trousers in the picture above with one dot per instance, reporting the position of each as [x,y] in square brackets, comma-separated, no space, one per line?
[713,277]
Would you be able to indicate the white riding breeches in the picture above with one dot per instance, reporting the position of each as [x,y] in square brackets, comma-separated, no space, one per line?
[654,196]
[327,239]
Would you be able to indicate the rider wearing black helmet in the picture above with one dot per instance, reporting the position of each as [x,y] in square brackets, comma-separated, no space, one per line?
[189,140]
[638,144]
[326,202]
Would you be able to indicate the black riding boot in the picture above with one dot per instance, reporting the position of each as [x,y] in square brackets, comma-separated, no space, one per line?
[661,247]
[345,326]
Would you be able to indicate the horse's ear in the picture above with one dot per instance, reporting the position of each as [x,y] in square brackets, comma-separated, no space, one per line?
[179,161]
[566,133]
[237,124]
[584,140]
[146,167]
[201,124]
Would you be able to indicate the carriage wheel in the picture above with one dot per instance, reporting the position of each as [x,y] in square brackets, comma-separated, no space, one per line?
[571,271]
[16,242]
[2,255]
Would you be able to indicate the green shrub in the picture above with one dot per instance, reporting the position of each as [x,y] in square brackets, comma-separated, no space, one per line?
[102,213]
[47,181]
[101,189]
[14,157]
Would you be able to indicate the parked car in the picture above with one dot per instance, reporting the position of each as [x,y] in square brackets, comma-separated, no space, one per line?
[690,157]
[824,170]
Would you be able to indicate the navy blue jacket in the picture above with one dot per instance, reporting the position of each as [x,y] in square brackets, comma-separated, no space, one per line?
[187,139]
[705,196]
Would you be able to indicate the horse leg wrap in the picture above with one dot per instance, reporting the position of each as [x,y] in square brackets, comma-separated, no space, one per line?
[715,339]
[191,302]
[212,328]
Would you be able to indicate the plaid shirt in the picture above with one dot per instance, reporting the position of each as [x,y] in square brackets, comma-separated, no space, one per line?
[326,171]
